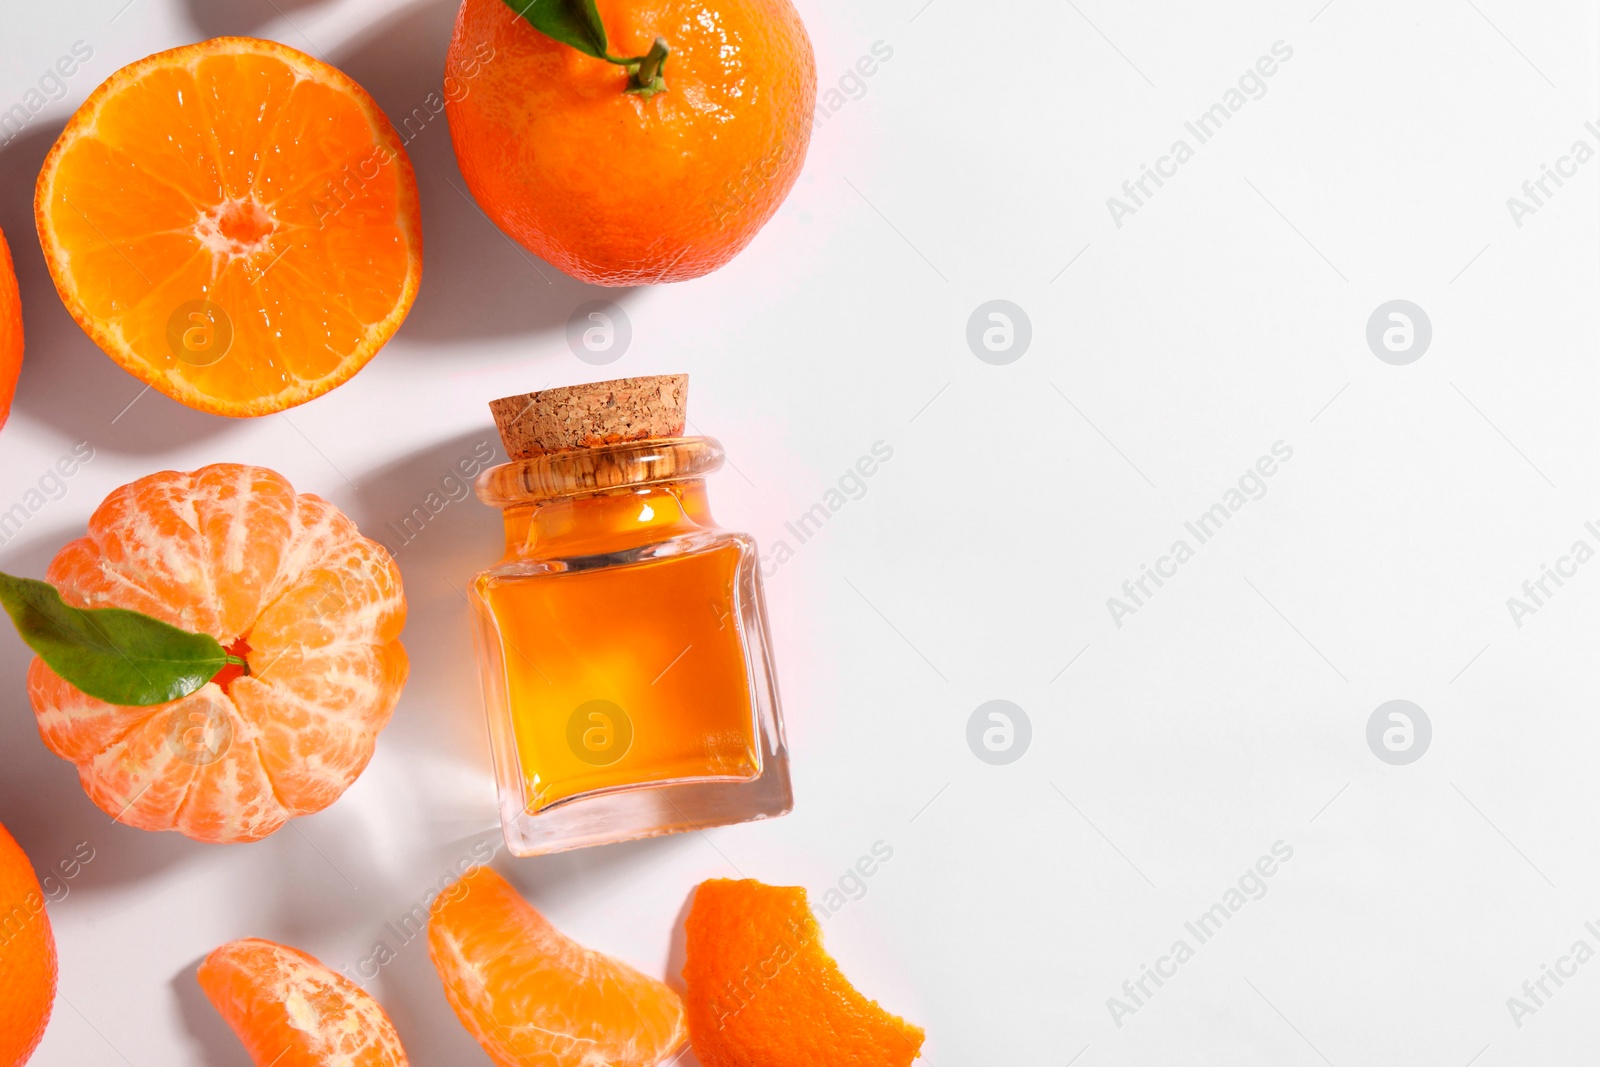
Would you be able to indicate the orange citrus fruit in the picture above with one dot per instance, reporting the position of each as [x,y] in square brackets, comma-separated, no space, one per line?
[284,580]
[616,187]
[762,992]
[27,956]
[535,998]
[291,1011]
[10,330]
[234,222]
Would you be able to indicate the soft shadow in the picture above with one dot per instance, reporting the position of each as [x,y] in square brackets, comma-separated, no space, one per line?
[414,999]
[328,884]
[679,952]
[41,800]
[476,281]
[676,956]
[567,879]
[66,380]
[218,1046]
[323,877]
[220,18]
[422,509]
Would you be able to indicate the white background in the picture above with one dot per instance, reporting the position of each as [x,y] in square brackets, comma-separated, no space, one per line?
[1228,713]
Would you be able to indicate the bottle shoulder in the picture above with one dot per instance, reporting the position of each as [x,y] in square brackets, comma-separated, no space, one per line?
[693,543]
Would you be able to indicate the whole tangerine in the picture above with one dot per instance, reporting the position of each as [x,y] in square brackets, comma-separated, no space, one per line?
[10,331]
[622,187]
[27,956]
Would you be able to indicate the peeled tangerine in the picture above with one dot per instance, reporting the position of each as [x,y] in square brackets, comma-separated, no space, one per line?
[286,581]
[291,1011]
[535,998]
[763,993]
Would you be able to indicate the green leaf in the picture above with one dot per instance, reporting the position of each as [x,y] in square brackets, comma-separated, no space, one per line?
[117,655]
[572,22]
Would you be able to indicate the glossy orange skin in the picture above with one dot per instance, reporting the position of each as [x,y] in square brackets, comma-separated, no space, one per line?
[609,186]
[762,992]
[290,1011]
[10,330]
[27,956]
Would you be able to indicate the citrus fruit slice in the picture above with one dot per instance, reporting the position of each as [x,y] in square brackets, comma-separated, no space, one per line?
[626,188]
[762,992]
[535,998]
[287,582]
[291,1011]
[27,956]
[234,222]
[10,330]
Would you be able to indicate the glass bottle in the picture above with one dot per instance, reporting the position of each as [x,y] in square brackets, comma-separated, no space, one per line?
[622,640]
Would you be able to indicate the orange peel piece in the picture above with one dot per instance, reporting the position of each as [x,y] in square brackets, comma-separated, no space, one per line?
[762,991]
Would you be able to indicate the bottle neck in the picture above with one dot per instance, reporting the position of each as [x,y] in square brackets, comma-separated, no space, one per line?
[610,521]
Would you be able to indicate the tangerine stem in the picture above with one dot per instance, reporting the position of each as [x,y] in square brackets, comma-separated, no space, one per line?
[644,72]
[647,78]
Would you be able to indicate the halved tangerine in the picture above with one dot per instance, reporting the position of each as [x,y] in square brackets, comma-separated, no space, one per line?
[234,222]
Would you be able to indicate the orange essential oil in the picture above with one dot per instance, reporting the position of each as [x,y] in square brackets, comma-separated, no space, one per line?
[622,639]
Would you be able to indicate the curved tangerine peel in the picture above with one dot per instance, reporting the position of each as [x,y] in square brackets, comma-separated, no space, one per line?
[762,992]
[534,997]
[290,1011]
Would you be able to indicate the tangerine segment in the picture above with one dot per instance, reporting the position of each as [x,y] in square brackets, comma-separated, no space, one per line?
[762,992]
[535,998]
[232,551]
[10,330]
[291,1011]
[234,222]
[27,956]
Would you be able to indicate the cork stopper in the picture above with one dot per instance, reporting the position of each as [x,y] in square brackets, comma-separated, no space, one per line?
[585,416]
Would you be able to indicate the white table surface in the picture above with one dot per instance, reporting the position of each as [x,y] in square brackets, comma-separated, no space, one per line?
[1228,713]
